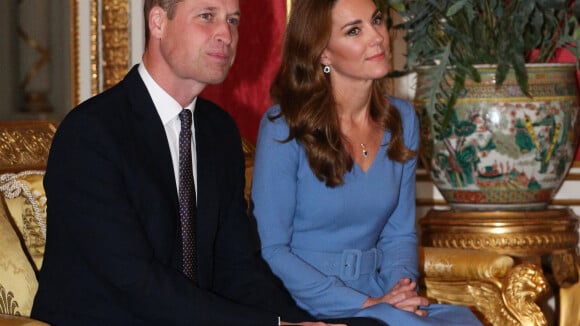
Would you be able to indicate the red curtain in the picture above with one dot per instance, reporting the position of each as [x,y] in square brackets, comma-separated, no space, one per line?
[245,92]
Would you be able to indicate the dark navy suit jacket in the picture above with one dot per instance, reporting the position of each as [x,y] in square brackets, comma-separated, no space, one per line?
[113,251]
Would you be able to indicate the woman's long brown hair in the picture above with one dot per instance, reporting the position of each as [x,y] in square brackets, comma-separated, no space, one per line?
[305,96]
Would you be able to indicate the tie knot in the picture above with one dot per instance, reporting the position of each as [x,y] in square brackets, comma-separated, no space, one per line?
[185,117]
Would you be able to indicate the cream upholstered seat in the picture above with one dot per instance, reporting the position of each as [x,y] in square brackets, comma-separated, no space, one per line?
[24,147]
[490,283]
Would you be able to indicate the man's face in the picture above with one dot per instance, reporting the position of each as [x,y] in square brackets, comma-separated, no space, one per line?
[199,43]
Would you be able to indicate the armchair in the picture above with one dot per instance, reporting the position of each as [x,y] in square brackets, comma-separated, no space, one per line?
[497,290]
[24,149]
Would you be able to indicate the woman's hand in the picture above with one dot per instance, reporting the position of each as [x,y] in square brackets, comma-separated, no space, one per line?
[402,296]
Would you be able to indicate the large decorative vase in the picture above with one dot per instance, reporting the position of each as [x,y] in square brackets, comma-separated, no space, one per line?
[503,150]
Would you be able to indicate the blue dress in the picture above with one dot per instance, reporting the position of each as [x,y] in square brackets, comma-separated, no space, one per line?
[334,247]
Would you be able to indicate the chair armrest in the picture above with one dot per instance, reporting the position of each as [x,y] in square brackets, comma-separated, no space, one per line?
[491,284]
[447,263]
[8,320]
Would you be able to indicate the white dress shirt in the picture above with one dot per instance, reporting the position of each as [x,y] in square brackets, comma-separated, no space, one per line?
[168,110]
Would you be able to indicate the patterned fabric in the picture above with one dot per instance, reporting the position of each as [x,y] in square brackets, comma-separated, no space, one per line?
[26,203]
[187,204]
[18,282]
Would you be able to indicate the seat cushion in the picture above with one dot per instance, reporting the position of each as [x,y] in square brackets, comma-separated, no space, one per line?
[18,283]
[24,196]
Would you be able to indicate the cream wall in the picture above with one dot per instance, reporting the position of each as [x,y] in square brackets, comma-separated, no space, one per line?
[29,56]
[137,36]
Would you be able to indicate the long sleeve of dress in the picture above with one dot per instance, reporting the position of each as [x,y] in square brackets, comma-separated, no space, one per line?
[398,240]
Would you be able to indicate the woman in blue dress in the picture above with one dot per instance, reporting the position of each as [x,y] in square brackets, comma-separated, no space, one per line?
[334,174]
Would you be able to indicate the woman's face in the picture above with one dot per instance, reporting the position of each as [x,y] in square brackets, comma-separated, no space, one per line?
[359,41]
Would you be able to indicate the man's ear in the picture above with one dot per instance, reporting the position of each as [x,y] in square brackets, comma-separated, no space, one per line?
[157,18]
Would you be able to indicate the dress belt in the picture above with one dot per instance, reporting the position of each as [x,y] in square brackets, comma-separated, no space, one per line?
[348,265]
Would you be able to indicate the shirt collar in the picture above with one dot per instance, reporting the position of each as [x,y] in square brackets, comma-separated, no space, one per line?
[167,107]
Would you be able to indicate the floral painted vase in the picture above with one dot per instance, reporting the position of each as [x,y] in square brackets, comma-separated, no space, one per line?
[502,150]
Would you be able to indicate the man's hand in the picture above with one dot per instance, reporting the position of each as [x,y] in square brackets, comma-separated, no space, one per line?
[402,296]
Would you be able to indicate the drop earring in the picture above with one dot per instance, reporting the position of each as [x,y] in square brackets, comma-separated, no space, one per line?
[326,69]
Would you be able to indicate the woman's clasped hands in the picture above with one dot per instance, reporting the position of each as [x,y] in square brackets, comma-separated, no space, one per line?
[402,296]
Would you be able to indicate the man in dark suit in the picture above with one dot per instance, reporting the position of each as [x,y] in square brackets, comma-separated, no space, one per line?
[114,251]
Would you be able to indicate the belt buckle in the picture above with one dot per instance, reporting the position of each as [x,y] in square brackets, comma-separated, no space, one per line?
[350,264]
[377,255]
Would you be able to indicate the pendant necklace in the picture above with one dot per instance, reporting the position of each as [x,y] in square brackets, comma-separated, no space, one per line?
[365,153]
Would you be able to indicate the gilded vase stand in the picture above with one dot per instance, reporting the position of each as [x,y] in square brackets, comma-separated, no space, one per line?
[532,252]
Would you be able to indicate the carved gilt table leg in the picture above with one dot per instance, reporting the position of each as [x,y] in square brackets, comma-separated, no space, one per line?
[499,292]
[530,238]
[570,302]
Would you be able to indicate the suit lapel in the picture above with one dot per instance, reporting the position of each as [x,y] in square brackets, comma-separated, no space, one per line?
[149,129]
[156,177]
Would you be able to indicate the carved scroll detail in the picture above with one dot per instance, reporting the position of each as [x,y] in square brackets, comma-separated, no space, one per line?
[505,301]
[27,147]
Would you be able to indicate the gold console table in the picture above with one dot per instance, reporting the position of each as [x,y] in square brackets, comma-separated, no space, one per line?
[542,246]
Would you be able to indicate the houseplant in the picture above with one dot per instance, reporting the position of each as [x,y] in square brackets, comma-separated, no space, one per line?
[457,47]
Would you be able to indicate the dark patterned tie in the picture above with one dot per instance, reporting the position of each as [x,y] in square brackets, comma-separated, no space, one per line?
[187,205]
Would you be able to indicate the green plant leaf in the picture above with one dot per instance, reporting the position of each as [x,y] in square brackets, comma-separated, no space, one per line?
[457,6]
[454,35]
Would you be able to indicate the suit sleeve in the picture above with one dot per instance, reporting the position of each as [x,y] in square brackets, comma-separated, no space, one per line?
[240,272]
[89,205]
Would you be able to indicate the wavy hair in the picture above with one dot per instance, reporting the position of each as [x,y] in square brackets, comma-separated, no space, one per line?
[307,103]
